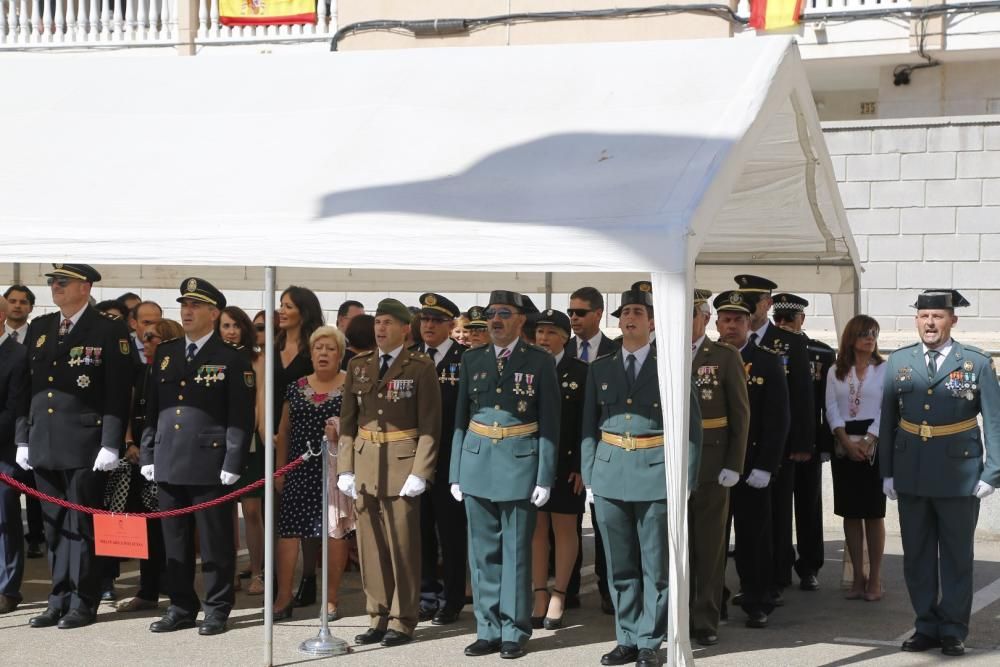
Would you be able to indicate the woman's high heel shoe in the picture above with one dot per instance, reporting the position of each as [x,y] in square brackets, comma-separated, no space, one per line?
[550,623]
[537,622]
[283,614]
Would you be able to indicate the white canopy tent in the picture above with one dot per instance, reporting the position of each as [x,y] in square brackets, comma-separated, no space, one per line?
[524,168]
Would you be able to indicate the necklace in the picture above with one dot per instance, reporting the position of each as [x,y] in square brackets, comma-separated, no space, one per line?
[854,392]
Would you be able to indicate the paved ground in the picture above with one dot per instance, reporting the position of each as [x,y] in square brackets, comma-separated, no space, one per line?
[813,629]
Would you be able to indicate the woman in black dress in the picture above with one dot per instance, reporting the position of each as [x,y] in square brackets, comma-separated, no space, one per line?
[565,505]
[299,315]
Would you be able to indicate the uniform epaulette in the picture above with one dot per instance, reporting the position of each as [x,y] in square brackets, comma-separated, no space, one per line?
[906,347]
[769,350]
[973,348]
[110,316]
[366,353]
[169,340]
[536,348]
[235,346]
[604,356]
[820,345]
[725,345]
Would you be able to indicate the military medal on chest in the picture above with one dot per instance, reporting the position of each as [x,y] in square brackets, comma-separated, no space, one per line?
[83,381]
[522,406]
[517,384]
[75,356]
[530,381]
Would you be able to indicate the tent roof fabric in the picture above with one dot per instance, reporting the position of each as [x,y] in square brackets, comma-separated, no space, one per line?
[618,159]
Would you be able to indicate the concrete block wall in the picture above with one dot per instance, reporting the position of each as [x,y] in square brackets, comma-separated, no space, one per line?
[923,201]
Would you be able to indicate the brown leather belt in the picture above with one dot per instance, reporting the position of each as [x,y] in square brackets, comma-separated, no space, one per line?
[925,431]
[630,442]
[497,432]
[383,437]
[718,422]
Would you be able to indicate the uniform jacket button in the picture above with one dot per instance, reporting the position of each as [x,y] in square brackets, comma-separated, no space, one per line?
[51,411]
[177,427]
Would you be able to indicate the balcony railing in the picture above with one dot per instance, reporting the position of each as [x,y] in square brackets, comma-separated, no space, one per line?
[211,29]
[835,6]
[50,23]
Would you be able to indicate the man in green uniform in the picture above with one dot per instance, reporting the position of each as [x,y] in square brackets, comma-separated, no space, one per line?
[931,458]
[623,469]
[389,426]
[721,387]
[503,463]
[477,327]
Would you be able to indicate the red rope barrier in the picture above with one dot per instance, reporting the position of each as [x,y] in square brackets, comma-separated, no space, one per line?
[292,465]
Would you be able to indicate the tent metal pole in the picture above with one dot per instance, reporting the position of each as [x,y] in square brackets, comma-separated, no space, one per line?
[548,290]
[266,440]
[15,278]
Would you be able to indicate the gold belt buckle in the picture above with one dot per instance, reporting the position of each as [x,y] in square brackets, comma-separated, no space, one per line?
[629,442]
[925,431]
[496,432]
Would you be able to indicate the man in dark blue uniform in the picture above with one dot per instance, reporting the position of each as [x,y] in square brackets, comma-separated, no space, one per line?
[199,419]
[72,432]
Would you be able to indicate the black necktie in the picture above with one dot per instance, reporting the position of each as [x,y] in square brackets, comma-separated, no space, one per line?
[431,352]
[630,370]
[13,334]
[932,356]
[192,350]
[753,338]
[386,358]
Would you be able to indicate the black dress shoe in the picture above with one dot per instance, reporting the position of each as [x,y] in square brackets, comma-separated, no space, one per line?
[306,595]
[108,595]
[395,638]
[809,583]
[34,550]
[75,618]
[370,636]
[648,658]
[46,619]
[706,637]
[481,647]
[757,619]
[919,642]
[8,604]
[952,646]
[212,626]
[427,613]
[445,616]
[777,599]
[510,650]
[171,622]
[620,655]
[738,599]
[606,606]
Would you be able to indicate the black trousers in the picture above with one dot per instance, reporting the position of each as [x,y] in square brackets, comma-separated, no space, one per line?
[36,527]
[754,547]
[443,525]
[218,551]
[11,533]
[76,573]
[809,516]
[782,486]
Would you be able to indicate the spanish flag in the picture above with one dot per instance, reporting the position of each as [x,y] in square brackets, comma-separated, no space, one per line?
[266,12]
[774,14]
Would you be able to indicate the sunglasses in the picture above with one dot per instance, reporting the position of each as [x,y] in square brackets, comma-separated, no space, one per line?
[502,313]
[59,282]
[868,333]
[148,336]
[260,327]
[578,312]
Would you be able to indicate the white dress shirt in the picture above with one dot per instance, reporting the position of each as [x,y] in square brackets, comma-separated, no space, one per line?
[198,344]
[595,344]
[442,350]
[640,357]
[838,397]
[510,347]
[392,355]
[74,319]
[21,331]
[944,351]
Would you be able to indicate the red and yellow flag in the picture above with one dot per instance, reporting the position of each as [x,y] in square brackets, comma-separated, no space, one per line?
[266,12]
[774,14]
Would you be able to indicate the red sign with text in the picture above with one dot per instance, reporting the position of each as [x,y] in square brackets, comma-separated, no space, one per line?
[120,535]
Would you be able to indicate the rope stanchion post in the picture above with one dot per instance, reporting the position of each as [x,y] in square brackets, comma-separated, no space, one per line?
[325,644]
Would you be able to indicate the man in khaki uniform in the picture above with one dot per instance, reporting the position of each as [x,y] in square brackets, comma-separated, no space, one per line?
[720,384]
[390,423]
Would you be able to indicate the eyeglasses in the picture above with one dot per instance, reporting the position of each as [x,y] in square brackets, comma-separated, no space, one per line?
[868,333]
[260,327]
[502,313]
[578,312]
[149,335]
[59,282]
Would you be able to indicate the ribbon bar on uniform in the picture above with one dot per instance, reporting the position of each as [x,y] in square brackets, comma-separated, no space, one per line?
[630,442]
[925,431]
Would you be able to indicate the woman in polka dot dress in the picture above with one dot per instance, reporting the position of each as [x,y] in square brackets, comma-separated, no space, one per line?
[311,410]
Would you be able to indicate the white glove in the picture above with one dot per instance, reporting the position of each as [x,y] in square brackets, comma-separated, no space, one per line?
[106,460]
[147,472]
[456,492]
[228,478]
[758,478]
[982,489]
[728,478]
[540,496]
[345,482]
[590,496]
[21,458]
[413,487]
[888,488]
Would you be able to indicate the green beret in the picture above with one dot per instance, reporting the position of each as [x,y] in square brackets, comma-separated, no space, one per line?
[395,308]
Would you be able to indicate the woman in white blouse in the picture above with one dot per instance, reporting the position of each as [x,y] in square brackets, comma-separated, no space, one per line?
[853,406]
